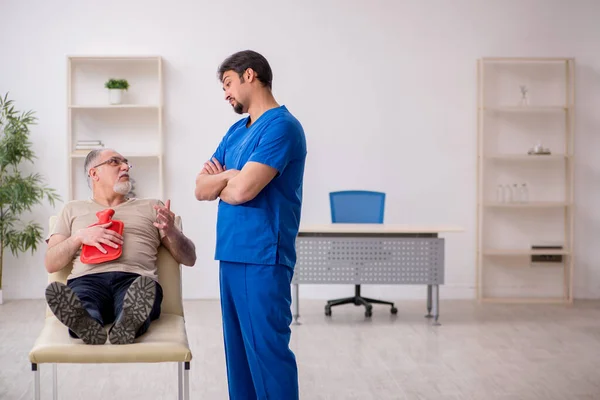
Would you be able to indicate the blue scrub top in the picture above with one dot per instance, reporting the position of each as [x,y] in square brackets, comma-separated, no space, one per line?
[263,230]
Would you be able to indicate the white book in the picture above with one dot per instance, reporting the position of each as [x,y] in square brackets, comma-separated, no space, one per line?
[88,147]
[89,142]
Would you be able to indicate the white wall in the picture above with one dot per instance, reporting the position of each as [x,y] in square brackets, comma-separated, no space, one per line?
[386,91]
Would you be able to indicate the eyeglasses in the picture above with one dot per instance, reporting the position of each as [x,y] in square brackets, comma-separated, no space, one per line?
[115,162]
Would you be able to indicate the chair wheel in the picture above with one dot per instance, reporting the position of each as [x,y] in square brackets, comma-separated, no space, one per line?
[328,311]
[369,311]
[394,310]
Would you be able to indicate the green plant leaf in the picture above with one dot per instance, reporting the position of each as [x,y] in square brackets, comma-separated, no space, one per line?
[18,193]
[117,84]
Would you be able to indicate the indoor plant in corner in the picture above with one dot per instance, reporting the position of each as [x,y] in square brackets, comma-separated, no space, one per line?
[18,192]
[115,89]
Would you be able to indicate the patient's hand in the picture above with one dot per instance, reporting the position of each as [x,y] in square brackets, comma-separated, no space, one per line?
[98,235]
[165,219]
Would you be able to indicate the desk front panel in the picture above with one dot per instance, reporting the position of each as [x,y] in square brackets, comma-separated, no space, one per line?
[383,259]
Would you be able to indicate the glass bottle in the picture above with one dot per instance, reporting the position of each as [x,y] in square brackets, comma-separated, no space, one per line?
[500,194]
[524,194]
[508,198]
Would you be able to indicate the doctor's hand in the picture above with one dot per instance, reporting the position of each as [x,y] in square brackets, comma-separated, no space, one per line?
[165,219]
[212,167]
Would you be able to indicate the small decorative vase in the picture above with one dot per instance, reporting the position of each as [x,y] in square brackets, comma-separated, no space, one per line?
[115,96]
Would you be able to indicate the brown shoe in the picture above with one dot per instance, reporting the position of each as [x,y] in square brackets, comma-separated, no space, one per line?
[67,307]
[137,306]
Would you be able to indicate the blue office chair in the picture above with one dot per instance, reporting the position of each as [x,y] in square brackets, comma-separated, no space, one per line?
[358,207]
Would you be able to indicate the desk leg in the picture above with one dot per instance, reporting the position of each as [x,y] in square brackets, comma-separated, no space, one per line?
[436,304]
[296,304]
[429,302]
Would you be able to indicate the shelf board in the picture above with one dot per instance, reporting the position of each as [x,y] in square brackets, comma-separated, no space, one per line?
[531,204]
[527,157]
[114,58]
[110,107]
[526,109]
[525,60]
[525,300]
[523,252]
[84,153]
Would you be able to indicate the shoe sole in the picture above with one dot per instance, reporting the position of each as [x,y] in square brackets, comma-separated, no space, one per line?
[137,306]
[69,310]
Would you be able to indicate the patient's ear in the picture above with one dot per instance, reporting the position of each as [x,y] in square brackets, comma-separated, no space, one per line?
[93,174]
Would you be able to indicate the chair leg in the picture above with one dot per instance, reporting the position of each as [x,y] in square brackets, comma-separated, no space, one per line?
[337,302]
[363,302]
[186,376]
[55,381]
[358,300]
[36,381]
[368,308]
[180,380]
[375,301]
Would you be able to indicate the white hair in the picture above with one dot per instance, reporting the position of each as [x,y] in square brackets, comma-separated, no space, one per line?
[90,160]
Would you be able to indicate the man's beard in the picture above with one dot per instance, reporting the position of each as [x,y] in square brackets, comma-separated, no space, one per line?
[122,187]
[238,108]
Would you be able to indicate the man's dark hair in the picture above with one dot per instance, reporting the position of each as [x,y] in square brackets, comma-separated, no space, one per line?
[243,60]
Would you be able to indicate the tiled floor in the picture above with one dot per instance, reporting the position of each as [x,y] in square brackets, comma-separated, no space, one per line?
[480,352]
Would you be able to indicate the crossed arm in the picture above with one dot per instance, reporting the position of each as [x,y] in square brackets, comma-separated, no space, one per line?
[232,186]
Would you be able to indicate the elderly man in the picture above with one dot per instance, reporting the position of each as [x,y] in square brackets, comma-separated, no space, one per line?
[122,290]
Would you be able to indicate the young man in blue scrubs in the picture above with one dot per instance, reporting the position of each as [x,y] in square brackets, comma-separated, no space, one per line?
[257,173]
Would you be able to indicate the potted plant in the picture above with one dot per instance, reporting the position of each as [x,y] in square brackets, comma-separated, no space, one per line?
[115,89]
[18,192]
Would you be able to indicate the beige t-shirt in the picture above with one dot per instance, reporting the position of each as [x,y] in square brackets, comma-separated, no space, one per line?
[141,238]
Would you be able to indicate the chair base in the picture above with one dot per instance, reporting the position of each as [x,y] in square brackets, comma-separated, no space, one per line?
[183,381]
[358,300]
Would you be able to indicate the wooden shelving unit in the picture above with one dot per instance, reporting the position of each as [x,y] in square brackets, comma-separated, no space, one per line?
[508,127]
[134,128]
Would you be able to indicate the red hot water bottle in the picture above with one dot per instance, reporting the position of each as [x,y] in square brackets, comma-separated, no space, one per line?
[90,254]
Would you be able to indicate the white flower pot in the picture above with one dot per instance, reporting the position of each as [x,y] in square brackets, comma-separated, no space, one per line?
[115,96]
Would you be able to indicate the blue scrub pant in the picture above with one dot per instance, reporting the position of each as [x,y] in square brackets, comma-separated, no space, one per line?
[255,303]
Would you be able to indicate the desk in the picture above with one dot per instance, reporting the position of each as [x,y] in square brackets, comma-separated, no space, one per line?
[371,254]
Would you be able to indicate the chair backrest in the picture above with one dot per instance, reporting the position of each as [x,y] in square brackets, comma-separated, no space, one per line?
[357,207]
[169,277]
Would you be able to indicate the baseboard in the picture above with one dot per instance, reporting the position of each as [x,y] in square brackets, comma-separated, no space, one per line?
[392,292]
[586,293]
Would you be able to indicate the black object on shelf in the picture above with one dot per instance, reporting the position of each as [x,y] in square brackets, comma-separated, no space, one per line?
[546,258]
